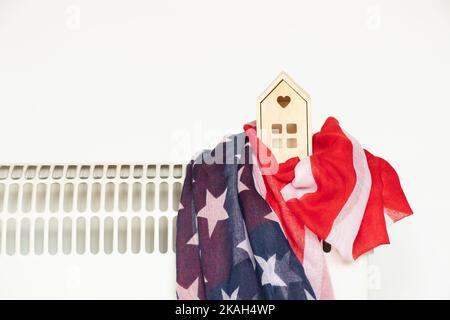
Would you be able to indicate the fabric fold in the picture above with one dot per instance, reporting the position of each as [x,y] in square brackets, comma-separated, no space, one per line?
[230,244]
[341,193]
[251,228]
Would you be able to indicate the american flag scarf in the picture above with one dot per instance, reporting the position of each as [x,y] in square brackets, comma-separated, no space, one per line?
[245,232]
[341,193]
[229,242]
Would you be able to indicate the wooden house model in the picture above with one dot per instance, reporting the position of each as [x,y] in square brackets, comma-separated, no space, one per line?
[284,119]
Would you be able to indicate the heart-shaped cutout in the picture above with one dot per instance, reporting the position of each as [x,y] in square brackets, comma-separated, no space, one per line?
[283,101]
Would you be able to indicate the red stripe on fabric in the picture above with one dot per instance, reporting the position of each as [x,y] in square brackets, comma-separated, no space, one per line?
[334,174]
[332,168]
[386,191]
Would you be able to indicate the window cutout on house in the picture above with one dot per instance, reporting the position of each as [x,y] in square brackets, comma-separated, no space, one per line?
[292,143]
[277,143]
[277,128]
[291,128]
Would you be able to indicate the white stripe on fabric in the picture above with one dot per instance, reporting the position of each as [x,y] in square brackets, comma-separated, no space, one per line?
[314,262]
[303,182]
[348,221]
[257,177]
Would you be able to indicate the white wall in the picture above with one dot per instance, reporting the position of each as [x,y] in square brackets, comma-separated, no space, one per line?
[112,81]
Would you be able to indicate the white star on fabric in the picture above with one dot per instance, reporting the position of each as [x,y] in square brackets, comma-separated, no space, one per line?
[193,240]
[309,296]
[233,296]
[245,245]
[269,276]
[213,211]
[241,186]
[190,293]
[272,216]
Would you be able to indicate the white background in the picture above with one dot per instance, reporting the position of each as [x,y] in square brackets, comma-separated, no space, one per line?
[142,81]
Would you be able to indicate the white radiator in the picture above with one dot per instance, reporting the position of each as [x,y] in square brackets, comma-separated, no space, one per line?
[103,231]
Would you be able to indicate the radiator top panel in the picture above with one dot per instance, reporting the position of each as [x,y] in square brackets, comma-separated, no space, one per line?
[89,209]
